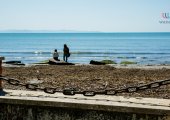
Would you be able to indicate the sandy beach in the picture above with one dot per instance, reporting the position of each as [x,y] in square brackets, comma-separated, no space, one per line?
[91,77]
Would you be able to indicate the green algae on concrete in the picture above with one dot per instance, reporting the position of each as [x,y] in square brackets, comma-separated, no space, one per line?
[108,62]
[128,62]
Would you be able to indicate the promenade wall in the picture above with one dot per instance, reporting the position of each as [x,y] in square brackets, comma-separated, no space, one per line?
[30,105]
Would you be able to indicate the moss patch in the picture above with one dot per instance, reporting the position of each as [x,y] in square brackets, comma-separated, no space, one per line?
[108,62]
[128,62]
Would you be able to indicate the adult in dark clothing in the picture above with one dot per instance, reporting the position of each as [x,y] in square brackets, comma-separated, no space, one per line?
[66,53]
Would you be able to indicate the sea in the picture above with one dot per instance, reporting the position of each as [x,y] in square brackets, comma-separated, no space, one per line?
[141,48]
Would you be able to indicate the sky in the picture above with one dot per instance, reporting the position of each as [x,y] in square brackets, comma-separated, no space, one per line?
[85,15]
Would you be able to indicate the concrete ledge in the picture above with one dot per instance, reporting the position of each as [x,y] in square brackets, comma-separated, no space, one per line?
[99,102]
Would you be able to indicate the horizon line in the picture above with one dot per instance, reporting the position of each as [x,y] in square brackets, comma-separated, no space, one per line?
[73,31]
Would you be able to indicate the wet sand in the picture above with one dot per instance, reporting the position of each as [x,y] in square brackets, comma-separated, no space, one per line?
[91,77]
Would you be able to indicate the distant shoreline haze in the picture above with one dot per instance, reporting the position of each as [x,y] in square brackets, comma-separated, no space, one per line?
[70,31]
[47,31]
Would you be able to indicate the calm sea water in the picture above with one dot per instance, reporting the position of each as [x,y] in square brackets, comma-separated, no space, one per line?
[143,48]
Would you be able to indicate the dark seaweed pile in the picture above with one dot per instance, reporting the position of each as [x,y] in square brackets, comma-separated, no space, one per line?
[90,77]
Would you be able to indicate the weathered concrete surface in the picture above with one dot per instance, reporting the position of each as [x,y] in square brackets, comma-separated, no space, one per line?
[30,105]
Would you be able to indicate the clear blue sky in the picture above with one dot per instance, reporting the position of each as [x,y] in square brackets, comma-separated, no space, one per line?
[84,15]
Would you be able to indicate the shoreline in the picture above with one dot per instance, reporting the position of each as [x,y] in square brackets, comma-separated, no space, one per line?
[128,66]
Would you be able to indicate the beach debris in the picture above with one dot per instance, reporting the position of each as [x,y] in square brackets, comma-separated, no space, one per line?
[38,71]
[35,81]
[105,84]
[14,62]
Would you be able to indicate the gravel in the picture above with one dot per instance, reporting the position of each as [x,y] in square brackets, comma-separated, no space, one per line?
[90,77]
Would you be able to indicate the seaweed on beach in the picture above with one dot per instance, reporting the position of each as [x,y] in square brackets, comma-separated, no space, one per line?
[91,77]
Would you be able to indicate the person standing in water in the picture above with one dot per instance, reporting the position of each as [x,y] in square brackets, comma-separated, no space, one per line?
[66,53]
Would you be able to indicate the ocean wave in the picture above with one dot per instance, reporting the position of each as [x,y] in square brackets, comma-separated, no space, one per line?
[18,52]
[131,57]
[87,52]
[38,52]
[27,57]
